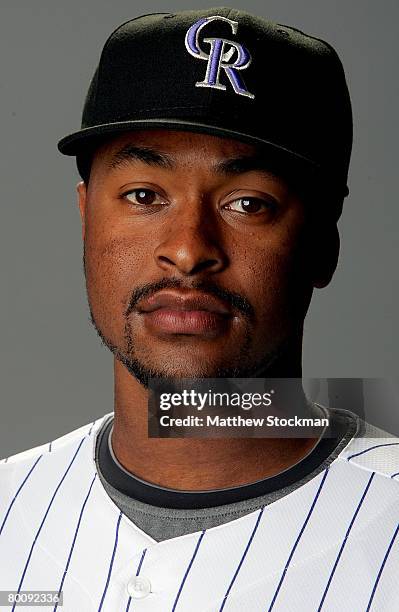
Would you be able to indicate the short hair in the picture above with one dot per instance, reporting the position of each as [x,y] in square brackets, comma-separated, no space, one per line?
[84,162]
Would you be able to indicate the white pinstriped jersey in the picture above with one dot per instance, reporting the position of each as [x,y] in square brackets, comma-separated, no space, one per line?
[332,544]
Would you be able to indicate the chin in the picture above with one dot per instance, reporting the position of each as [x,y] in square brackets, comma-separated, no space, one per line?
[186,369]
[173,370]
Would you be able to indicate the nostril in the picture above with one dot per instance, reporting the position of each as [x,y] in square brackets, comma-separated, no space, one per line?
[165,260]
[204,265]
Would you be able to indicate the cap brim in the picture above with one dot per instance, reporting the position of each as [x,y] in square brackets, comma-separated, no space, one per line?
[74,143]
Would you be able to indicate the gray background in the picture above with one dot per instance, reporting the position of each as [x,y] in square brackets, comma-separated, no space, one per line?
[55,375]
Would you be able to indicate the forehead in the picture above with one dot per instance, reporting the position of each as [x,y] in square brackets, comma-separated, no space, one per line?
[184,147]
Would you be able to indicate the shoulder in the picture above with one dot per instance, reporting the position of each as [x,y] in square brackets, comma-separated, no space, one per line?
[27,477]
[374,450]
[52,447]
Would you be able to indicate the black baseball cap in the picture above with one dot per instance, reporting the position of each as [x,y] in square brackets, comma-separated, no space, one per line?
[224,72]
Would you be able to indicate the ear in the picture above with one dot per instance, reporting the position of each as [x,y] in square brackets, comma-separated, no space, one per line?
[325,256]
[82,199]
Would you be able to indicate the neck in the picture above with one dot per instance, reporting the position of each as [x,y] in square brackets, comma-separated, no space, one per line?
[187,463]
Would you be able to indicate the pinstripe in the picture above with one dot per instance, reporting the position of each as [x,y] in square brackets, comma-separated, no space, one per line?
[381,568]
[141,562]
[137,573]
[111,562]
[91,428]
[297,540]
[366,450]
[17,493]
[74,539]
[242,559]
[344,542]
[45,516]
[188,569]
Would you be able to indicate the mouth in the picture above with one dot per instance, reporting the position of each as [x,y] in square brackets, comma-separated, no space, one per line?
[185,312]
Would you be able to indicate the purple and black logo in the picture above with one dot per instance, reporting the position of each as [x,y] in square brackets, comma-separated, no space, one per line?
[220,56]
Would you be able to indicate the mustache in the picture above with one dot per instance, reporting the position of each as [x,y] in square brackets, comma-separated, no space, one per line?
[237,301]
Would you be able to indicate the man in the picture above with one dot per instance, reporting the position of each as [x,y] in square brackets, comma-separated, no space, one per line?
[214,154]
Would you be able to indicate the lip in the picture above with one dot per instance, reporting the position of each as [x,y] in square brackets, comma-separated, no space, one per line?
[188,312]
[183,301]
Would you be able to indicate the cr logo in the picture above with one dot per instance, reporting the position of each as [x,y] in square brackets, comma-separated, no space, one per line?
[219,56]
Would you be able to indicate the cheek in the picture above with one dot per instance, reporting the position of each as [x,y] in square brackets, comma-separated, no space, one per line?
[280,280]
[114,267]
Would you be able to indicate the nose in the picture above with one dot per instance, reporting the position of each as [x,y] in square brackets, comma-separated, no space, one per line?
[192,245]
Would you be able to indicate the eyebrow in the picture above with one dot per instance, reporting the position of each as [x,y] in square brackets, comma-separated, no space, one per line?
[146,155]
[246,163]
[227,167]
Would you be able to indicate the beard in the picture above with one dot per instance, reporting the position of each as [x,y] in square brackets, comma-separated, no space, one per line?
[266,366]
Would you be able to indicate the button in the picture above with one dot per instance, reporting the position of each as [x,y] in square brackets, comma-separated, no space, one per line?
[139,587]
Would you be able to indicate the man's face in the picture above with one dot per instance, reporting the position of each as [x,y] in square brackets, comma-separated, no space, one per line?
[196,256]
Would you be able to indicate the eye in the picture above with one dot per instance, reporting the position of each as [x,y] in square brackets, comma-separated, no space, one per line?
[143,197]
[251,205]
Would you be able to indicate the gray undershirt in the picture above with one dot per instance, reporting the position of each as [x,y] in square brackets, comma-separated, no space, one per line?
[165,523]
